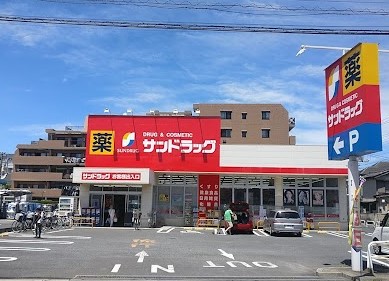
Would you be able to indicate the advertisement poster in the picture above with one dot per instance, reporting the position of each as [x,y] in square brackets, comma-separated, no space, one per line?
[209,192]
[289,197]
[318,197]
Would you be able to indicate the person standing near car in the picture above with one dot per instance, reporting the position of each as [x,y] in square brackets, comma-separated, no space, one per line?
[228,219]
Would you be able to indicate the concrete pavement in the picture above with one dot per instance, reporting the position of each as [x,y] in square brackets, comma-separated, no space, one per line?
[343,271]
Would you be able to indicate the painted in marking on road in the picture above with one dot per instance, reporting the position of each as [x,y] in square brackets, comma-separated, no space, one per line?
[116,268]
[165,229]
[155,267]
[260,233]
[28,249]
[41,241]
[8,259]
[337,234]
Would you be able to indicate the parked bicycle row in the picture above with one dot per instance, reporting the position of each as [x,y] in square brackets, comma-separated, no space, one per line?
[26,221]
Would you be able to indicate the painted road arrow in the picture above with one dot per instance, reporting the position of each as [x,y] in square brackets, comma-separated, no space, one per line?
[141,256]
[338,144]
[230,256]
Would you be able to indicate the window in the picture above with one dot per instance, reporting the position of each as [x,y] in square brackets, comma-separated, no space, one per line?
[265,133]
[265,115]
[225,114]
[244,115]
[244,134]
[226,133]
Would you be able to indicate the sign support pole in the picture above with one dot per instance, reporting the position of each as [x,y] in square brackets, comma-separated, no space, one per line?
[353,181]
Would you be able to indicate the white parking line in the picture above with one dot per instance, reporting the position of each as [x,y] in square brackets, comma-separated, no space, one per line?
[337,234]
[260,233]
[116,268]
[306,235]
[165,229]
[8,259]
[28,249]
[37,241]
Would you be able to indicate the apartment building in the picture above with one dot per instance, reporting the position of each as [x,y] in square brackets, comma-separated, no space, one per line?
[251,123]
[46,166]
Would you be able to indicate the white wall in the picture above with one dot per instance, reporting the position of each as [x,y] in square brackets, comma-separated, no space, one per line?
[292,156]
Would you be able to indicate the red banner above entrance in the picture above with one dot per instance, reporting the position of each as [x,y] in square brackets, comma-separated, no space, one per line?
[161,143]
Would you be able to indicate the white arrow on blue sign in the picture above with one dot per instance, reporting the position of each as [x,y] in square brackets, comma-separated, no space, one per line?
[358,141]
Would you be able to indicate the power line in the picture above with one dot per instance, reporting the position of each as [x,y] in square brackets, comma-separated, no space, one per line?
[194,27]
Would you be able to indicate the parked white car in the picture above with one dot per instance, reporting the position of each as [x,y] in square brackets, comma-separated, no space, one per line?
[381,233]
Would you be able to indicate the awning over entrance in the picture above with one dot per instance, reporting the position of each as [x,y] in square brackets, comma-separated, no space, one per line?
[112,175]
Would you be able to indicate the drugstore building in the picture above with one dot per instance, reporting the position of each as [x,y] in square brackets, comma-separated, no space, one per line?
[176,167]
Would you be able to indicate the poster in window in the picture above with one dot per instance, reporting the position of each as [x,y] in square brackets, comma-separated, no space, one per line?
[289,197]
[303,197]
[318,197]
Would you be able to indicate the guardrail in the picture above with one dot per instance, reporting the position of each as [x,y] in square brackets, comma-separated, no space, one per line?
[321,225]
[376,259]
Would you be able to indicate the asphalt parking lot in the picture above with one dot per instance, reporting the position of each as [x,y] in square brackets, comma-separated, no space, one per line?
[171,252]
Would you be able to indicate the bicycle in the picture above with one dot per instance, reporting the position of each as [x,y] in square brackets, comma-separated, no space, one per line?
[152,219]
[23,222]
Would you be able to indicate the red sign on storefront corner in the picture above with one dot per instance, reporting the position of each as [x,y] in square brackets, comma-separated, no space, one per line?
[208,192]
[160,143]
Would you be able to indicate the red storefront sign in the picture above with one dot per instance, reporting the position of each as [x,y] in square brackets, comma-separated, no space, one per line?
[209,192]
[161,143]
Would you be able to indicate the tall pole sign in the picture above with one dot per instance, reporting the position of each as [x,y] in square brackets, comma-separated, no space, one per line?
[353,103]
[354,123]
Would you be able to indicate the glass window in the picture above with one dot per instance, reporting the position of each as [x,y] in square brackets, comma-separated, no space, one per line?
[226,133]
[254,196]
[240,195]
[265,133]
[244,134]
[317,182]
[265,115]
[288,215]
[225,196]
[253,181]
[225,114]
[163,200]
[244,115]
[289,182]
[268,197]
[302,182]
[268,181]
[332,182]
[332,201]
[240,180]
[226,180]
[177,201]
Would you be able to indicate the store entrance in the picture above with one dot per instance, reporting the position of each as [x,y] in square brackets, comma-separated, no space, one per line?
[118,202]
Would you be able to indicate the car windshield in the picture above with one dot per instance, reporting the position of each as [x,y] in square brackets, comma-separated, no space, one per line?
[288,215]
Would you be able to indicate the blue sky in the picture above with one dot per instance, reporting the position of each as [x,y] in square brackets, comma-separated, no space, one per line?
[53,76]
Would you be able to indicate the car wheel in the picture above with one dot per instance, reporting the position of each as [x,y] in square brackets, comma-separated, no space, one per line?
[298,234]
[376,249]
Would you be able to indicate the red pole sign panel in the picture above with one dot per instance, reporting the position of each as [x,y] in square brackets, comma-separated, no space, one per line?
[209,192]
[165,143]
[353,103]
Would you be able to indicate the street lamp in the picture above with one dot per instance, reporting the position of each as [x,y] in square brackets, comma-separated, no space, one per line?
[303,48]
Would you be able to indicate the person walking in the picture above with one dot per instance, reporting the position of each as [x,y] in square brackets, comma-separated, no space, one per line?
[112,215]
[228,220]
[38,217]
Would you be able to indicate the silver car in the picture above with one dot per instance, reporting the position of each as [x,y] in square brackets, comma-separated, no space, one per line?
[283,221]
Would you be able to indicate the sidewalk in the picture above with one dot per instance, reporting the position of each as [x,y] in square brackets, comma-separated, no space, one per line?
[5,225]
